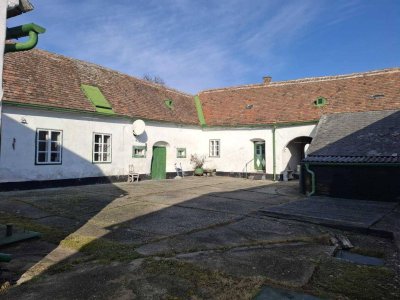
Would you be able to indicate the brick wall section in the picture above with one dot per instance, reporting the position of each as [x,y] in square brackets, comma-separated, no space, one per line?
[292,101]
[40,77]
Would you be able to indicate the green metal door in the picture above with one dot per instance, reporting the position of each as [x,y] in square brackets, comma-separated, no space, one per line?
[259,156]
[158,163]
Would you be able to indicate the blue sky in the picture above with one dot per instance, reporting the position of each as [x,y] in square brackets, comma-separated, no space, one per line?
[200,44]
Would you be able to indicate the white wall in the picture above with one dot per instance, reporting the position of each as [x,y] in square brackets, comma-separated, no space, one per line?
[19,164]
[3,18]
[283,136]
[237,147]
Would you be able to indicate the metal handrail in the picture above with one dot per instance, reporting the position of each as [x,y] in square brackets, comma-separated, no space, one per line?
[245,167]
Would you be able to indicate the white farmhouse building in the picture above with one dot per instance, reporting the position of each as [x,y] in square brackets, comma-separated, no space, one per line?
[66,121]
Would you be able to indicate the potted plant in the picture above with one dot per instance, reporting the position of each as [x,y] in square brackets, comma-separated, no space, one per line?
[198,161]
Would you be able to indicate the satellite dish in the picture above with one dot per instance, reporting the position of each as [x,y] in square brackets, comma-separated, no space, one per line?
[138,127]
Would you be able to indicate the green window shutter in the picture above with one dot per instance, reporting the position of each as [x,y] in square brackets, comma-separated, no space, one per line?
[96,97]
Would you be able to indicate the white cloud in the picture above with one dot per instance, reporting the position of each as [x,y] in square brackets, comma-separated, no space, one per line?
[192,45]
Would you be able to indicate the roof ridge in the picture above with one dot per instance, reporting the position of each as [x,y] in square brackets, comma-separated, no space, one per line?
[307,80]
[76,60]
[361,112]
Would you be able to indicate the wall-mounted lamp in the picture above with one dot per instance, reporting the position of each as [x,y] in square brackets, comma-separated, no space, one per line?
[249,106]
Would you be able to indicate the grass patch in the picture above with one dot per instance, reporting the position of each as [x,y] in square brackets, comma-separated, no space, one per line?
[344,279]
[49,234]
[183,280]
[102,249]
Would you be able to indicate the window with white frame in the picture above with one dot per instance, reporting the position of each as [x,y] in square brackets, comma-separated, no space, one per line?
[48,146]
[181,152]
[101,148]
[214,148]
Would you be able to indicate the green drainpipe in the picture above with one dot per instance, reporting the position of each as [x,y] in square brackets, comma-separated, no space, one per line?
[31,30]
[312,181]
[273,154]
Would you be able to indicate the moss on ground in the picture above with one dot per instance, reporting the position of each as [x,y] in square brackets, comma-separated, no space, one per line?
[337,279]
[183,280]
[101,249]
[49,234]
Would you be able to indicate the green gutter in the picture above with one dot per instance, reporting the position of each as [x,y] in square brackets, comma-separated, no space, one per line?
[312,181]
[32,30]
[283,124]
[85,112]
[273,154]
[199,109]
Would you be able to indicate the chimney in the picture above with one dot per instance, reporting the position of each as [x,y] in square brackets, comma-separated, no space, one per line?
[267,80]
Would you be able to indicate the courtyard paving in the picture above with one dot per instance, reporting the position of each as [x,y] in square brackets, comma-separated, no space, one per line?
[195,238]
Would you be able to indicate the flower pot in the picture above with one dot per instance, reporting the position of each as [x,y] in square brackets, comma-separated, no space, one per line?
[198,171]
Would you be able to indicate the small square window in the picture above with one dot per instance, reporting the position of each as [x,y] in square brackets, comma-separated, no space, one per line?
[321,101]
[181,152]
[214,148]
[139,151]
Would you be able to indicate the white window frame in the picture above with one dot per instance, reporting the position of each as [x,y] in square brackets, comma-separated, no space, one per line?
[214,148]
[101,151]
[48,142]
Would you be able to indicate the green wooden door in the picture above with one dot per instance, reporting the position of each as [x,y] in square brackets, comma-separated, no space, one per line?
[259,156]
[158,163]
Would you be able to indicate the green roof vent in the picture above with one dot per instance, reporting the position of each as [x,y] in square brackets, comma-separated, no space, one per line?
[96,97]
[169,103]
[320,102]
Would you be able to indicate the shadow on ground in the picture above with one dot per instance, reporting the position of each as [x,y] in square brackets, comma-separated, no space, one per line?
[196,237]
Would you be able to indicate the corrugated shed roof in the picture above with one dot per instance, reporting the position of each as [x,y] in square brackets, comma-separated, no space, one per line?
[43,78]
[366,137]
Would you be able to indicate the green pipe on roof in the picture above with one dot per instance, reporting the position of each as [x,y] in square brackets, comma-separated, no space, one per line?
[32,30]
[199,109]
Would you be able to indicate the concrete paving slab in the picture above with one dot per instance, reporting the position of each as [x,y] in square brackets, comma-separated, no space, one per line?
[238,232]
[176,220]
[121,214]
[213,238]
[268,230]
[245,195]
[22,209]
[168,198]
[62,223]
[275,263]
[230,205]
[341,213]
[217,215]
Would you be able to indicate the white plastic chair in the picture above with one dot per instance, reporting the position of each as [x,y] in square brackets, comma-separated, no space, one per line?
[132,175]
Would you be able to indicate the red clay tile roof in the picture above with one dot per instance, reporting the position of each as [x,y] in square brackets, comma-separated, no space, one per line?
[293,101]
[43,78]
[40,77]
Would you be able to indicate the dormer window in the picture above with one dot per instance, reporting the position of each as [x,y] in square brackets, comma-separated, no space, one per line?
[169,103]
[320,102]
[96,97]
